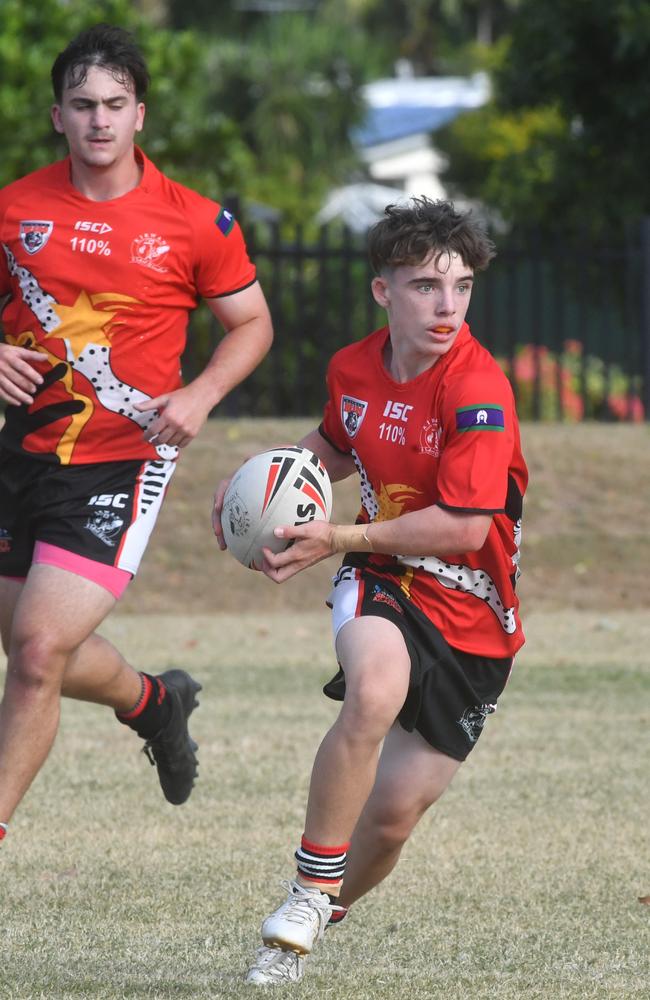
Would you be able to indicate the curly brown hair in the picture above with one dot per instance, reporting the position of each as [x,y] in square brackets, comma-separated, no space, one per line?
[409,233]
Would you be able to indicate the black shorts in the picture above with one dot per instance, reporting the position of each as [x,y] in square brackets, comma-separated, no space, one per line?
[99,513]
[451,693]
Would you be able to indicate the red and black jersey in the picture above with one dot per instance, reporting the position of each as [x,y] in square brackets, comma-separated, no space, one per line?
[448,437]
[103,291]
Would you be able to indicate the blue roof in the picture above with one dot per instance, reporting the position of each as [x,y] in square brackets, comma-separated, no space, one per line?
[398,121]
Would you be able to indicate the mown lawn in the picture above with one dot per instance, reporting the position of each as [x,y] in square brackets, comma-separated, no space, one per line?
[522,883]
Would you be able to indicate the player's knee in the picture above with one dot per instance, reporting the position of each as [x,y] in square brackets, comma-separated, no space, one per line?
[393,820]
[391,829]
[35,661]
[371,708]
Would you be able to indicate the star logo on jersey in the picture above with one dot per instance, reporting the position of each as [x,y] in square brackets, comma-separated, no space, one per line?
[34,234]
[352,413]
[150,250]
[430,438]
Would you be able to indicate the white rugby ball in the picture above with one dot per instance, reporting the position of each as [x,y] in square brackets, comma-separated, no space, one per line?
[285,486]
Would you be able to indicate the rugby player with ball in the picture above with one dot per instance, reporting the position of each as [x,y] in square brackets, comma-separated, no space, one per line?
[424,609]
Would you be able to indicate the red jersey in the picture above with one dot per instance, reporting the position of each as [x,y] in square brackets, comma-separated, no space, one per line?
[103,290]
[448,437]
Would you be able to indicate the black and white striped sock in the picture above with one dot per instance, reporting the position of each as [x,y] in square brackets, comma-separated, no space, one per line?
[320,863]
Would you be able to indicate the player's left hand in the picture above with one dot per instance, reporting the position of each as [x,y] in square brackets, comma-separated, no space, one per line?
[181,415]
[311,543]
[217,507]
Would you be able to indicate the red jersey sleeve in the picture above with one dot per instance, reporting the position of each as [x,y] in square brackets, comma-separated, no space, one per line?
[479,432]
[223,266]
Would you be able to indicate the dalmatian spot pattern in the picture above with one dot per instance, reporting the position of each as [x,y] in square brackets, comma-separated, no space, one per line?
[470,581]
[368,499]
[94,362]
[40,303]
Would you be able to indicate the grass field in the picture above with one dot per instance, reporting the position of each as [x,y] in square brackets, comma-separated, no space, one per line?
[586,524]
[522,883]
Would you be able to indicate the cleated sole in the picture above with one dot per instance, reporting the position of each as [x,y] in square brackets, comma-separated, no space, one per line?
[274,941]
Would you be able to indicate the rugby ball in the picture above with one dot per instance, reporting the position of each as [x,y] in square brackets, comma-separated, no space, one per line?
[286,486]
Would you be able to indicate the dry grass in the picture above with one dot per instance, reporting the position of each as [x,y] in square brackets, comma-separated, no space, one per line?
[586,524]
[521,884]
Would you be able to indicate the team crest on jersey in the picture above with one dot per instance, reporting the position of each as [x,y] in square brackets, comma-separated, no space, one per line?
[5,540]
[34,234]
[352,413]
[150,251]
[430,438]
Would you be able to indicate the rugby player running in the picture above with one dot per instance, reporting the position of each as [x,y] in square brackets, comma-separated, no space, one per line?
[102,259]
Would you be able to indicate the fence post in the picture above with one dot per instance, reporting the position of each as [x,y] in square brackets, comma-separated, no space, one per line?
[645,311]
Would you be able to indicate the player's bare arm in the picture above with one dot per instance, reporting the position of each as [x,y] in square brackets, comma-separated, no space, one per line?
[19,378]
[339,466]
[429,532]
[246,319]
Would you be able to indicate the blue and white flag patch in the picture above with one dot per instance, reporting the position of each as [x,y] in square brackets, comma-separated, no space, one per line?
[225,221]
[485,417]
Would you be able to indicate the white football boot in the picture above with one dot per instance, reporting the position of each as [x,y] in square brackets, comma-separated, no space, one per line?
[273,966]
[301,920]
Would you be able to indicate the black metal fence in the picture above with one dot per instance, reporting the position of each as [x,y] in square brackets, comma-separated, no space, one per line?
[569,324]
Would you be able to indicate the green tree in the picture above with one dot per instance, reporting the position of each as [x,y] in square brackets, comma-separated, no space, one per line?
[436,36]
[184,132]
[294,92]
[266,116]
[565,142]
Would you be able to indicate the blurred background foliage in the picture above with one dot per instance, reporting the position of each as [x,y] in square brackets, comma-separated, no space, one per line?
[257,98]
[563,145]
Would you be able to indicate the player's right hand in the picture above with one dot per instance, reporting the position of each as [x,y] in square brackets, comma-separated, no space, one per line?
[309,543]
[19,379]
[217,507]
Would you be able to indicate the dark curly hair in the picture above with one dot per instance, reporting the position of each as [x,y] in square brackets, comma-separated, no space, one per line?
[105,46]
[409,233]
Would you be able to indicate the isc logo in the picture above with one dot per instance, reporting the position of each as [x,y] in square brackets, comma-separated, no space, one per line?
[397,411]
[109,500]
[93,227]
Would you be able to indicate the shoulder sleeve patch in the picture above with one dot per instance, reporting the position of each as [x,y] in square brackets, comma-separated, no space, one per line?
[225,221]
[484,417]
